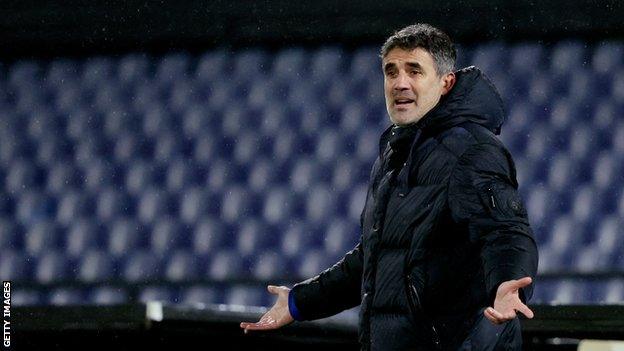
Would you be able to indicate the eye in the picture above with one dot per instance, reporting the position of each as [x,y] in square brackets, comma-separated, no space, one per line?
[391,74]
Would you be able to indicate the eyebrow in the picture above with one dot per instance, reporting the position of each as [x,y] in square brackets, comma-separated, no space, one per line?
[390,65]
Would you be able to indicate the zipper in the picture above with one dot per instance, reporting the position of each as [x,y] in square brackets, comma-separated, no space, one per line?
[413,295]
[491,193]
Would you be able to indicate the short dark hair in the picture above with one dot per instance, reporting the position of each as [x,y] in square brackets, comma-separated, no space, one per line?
[428,37]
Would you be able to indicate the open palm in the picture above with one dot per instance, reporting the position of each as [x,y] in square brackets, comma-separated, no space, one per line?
[277,317]
[508,302]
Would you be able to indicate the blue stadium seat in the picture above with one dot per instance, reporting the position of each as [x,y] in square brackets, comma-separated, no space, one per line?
[124,236]
[66,296]
[96,266]
[303,175]
[10,235]
[209,236]
[613,292]
[183,265]
[96,70]
[53,266]
[289,64]
[158,293]
[73,204]
[297,238]
[269,265]
[195,203]
[617,139]
[21,175]
[62,72]
[607,57]
[226,264]
[236,204]
[27,297]
[220,176]
[279,204]
[201,295]
[167,234]
[312,262]
[153,203]
[42,236]
[246,296]
[283,145]
[570,292]
[197,120]
[168,147]
[112,203]
[182,174]
[16,266]
[320,204]
[526,57]
[606,236]
[108,296]
[567,57]
[340,237]
[141,266]
[326,64]
[250,63]
[82,235]
[591,259]
[254,236]
[99,174]
[61,178]
[172,67]
[211,65]
[132,68]
[491,58]
[262,176]
[357,197]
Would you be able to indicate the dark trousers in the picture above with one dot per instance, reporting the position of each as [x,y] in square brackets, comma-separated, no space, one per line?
[396,334]
[487,336]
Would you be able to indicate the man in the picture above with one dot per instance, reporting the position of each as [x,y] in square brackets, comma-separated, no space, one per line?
[446,256]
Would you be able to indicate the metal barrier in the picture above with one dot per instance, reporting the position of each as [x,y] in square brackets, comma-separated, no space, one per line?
[211,327]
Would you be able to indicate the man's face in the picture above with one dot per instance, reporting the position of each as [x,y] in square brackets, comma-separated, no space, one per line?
[412,86]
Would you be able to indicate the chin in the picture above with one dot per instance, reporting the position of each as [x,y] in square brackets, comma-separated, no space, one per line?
[404,120]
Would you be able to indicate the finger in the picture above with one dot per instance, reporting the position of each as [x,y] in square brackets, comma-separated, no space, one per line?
[491,317]
[499,316]
[525,310]
[510,315]
[261,326]
[521,283]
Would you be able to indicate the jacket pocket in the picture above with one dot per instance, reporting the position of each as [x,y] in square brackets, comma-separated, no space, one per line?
[416,309]
[413,297]
[502,202]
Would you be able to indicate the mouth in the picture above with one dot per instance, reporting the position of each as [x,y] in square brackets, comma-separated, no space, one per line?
[403,102]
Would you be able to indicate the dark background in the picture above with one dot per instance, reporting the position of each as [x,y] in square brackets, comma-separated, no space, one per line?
[43,29]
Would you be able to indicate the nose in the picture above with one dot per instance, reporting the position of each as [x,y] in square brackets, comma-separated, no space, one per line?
[401,82]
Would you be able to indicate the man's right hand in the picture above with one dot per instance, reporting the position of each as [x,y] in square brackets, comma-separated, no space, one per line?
[277,317]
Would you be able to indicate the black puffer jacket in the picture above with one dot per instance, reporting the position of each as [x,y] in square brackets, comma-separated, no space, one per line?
[442,227]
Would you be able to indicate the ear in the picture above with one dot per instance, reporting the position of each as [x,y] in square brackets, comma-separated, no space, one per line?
[448,81]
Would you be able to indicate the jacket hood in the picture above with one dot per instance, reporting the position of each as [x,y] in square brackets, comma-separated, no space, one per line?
[473,99]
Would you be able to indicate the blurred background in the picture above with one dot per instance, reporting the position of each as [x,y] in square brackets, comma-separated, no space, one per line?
[192,152]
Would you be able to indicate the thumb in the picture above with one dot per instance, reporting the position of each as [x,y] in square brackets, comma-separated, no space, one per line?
[273,289]
[521,283]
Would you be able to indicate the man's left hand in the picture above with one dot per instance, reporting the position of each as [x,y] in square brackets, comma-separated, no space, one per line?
[508,302]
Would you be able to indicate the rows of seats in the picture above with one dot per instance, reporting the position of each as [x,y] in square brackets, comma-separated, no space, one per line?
[253,164]
[566,291]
